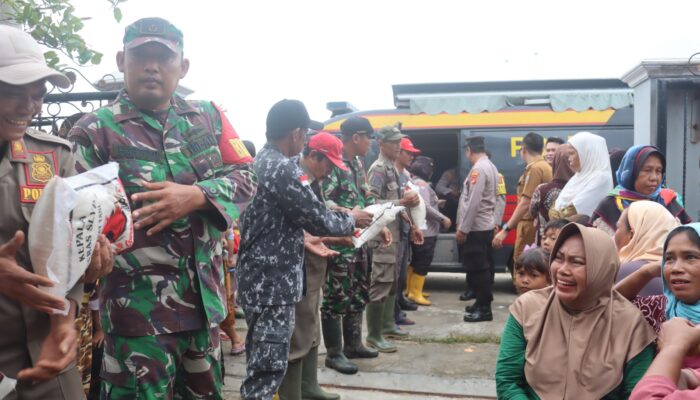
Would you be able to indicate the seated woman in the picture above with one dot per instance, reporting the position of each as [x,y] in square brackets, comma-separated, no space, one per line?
[680,272]
[677,339]
[578,339]
[641,232]
[641,176]
[588,157]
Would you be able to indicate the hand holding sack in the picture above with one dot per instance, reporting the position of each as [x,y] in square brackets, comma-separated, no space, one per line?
[383,215]
[68,219]
[418,213]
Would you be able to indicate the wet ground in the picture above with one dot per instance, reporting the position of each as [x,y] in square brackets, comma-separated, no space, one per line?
[445,358]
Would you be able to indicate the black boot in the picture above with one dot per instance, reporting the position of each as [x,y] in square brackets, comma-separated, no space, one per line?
[352,336]
[333,338]
[480,313]
[471,308]
[468,295]
[404,303]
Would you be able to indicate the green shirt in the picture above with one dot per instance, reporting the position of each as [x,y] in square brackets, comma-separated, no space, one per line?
[510,367]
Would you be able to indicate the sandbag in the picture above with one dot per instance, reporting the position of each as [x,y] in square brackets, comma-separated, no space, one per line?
[382,215]
[68,219]
[418,213]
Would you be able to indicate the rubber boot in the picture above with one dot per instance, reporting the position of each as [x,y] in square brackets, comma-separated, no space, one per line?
[290,389]
[411,274]
[389,328]
[310,390]
[352,336]
[333,338]
[375,315]
[415,291]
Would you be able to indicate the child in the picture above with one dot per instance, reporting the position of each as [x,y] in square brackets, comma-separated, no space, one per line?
[551,232]
[532,271]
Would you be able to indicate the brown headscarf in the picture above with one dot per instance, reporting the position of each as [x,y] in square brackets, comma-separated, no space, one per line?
[561,170]
[581,355]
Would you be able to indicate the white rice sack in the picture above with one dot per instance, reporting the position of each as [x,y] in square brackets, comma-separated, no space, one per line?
[383,215]
[418,212]
[68,219]
[7,386]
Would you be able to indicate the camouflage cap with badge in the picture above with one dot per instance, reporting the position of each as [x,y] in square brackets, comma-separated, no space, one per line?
[390,134]
[153,30]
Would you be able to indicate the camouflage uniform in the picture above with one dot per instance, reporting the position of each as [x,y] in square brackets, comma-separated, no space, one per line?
[347,281]
[168,289]
[270,265]
[26,166]
[385,186]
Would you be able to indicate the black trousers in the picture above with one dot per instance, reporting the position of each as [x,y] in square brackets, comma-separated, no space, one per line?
[477,258]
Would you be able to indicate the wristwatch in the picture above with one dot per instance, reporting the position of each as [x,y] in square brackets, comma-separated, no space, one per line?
[505,227]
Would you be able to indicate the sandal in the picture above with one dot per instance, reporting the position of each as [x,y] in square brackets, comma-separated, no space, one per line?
[237,349]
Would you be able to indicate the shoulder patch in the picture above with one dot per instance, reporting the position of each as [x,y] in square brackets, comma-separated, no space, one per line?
[474,177]
[45,137]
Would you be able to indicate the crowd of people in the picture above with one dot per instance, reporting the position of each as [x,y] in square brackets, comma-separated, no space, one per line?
[606,261]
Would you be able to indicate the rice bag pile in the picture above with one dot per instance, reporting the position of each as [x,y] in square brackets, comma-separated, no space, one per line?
[68,219]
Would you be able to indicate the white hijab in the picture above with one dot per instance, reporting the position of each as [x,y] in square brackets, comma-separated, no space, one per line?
[594,181]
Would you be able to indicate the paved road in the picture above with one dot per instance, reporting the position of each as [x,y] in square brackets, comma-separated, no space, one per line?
[445,358]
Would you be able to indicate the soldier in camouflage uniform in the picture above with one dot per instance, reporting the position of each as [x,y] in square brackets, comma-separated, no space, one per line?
[385,187]
[184,170]
[270,264]
[346,292]
[36,346]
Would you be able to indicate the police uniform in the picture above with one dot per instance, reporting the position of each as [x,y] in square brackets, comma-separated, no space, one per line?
[536,173]
[270,267]
[26,166]
[475,218]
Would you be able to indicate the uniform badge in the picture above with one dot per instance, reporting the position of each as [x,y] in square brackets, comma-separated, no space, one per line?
[29,194]
[474,177]
[17,149]
[41,171]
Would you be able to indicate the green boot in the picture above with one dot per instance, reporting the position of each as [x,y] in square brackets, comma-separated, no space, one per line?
[290,389]
[333,338]
[352,336]
[375,312]
[310,390]
[389,328]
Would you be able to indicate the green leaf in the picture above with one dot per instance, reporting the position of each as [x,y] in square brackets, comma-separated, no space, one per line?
[96,58]
[117,14]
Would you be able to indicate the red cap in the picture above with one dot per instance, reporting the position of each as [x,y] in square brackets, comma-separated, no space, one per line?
[407,145]
[330,146]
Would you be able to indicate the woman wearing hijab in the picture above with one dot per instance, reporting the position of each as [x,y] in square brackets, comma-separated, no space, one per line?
[546,194]
[422,171]
[641,232]
[588,158]
[641,176]
[680,275]
[578,339]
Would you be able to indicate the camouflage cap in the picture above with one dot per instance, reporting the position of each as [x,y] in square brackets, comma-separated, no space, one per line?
[390,134]
[158,30]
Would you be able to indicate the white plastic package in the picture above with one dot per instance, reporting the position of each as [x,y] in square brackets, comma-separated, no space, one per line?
[383,215]
[7,385]
[68,219]
[418,212]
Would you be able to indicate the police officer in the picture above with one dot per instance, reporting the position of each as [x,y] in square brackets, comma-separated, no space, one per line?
[322,154]
[270,265]
[537,172]
[35,346]
[475,227]
[346,291]
[384,184]
[188,178]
